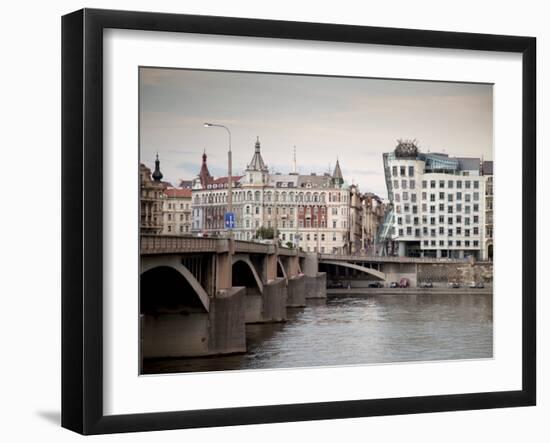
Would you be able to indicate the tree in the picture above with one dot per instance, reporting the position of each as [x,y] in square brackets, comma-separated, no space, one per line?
[289,244]
[264,233]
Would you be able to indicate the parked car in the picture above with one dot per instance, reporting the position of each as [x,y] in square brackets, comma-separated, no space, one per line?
[426,284]
[454,285]
[480,285]
[404,283]
[394,284]
[472,285]
[335,285]
[375,284]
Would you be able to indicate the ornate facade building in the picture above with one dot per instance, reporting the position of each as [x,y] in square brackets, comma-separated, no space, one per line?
[308,211]
[151,188]
[176,211]
[437,204]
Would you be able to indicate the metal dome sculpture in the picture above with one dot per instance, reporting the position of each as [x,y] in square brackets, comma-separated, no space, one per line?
[406,148]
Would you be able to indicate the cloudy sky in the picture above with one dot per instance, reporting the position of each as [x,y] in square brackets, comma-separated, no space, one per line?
[352,119]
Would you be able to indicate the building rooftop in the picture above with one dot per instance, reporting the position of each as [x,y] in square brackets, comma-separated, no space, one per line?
[177,193]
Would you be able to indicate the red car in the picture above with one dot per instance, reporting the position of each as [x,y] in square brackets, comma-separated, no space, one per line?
[404,283]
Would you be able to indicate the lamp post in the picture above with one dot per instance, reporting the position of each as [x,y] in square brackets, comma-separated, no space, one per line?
[229,177]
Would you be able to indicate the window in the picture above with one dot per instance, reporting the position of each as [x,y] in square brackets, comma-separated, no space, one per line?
[432,209]
[449,220]
[404,184]
[476,218]
[432,197]
[441,207]
[405,195]
[409,230]
[407,218]
[458,207]
[411,171]
[412,184]
[396,184]
[424,195]
[450,184]
[476,243]
[401,232]
[458,186]
[416,221]
[413,197]
[415,209]
[169,228]
[432,184]
[424,184]
[441,230]
[450,243]
[257,210]
[459,218]
[432,220]
[467,198]
[458,196]
[402,170]
[417,232]
[449,209]
[476,207]
[467,243]
[466,232]
[458,242]
[476,184]
[441,196]
[425,231]
[432,232]
[458,232]
[424,207]
[426,242]
[441,219]
[433,242]
[467,209]
[441,183]
[449,197]
[399,220]
[467,184]
[476,230]
[441,242]
[406,207]
[394,171]
[450,232]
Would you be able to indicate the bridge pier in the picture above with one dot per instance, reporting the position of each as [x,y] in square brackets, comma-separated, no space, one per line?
[268,306]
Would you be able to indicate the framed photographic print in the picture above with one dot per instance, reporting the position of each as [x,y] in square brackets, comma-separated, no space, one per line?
[269,221]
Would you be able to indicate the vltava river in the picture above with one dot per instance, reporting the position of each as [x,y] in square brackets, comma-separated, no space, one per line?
[359,329]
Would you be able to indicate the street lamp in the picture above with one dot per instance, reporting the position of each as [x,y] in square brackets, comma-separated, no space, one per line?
[229,173]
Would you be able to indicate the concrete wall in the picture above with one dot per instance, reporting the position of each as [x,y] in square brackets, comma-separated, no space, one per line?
[463,273]
[296,292]
[311,264]
[269,306]
[396,271]
[316,287]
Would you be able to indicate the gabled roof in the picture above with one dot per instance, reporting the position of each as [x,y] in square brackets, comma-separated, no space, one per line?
[177,193]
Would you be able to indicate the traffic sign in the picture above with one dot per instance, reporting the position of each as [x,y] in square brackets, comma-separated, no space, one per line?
[229,220]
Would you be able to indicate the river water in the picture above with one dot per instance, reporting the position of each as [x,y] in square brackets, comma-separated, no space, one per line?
[361,329]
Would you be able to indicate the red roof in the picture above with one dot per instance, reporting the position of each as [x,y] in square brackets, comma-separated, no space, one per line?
[177,193]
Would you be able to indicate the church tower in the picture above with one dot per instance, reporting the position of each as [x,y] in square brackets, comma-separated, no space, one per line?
[337,177]
[256,170]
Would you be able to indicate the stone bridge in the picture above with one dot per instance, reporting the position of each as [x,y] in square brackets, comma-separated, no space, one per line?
[197,294]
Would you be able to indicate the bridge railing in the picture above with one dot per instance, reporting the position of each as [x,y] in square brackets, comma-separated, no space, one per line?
[388,259]
[164,244]
[173,244]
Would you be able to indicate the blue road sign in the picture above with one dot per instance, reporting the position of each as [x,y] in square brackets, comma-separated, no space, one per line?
[229,220]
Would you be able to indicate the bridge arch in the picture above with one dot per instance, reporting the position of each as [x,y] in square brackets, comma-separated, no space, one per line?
[241,267]
[281,267]
[364,269]
[161,265]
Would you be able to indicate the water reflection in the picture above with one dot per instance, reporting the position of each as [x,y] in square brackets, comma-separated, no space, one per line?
[360,330]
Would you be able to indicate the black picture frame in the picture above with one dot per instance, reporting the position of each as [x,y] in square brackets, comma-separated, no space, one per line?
[82,218]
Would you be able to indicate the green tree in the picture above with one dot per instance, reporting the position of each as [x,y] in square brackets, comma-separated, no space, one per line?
[264,233]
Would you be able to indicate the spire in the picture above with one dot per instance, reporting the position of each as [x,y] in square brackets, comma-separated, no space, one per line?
[337,174]
[295,159]
[257,162]
[157,175]
[204,173]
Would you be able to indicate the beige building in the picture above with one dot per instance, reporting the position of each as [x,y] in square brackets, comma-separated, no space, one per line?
[151,188]
[176,211]
[366,215]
